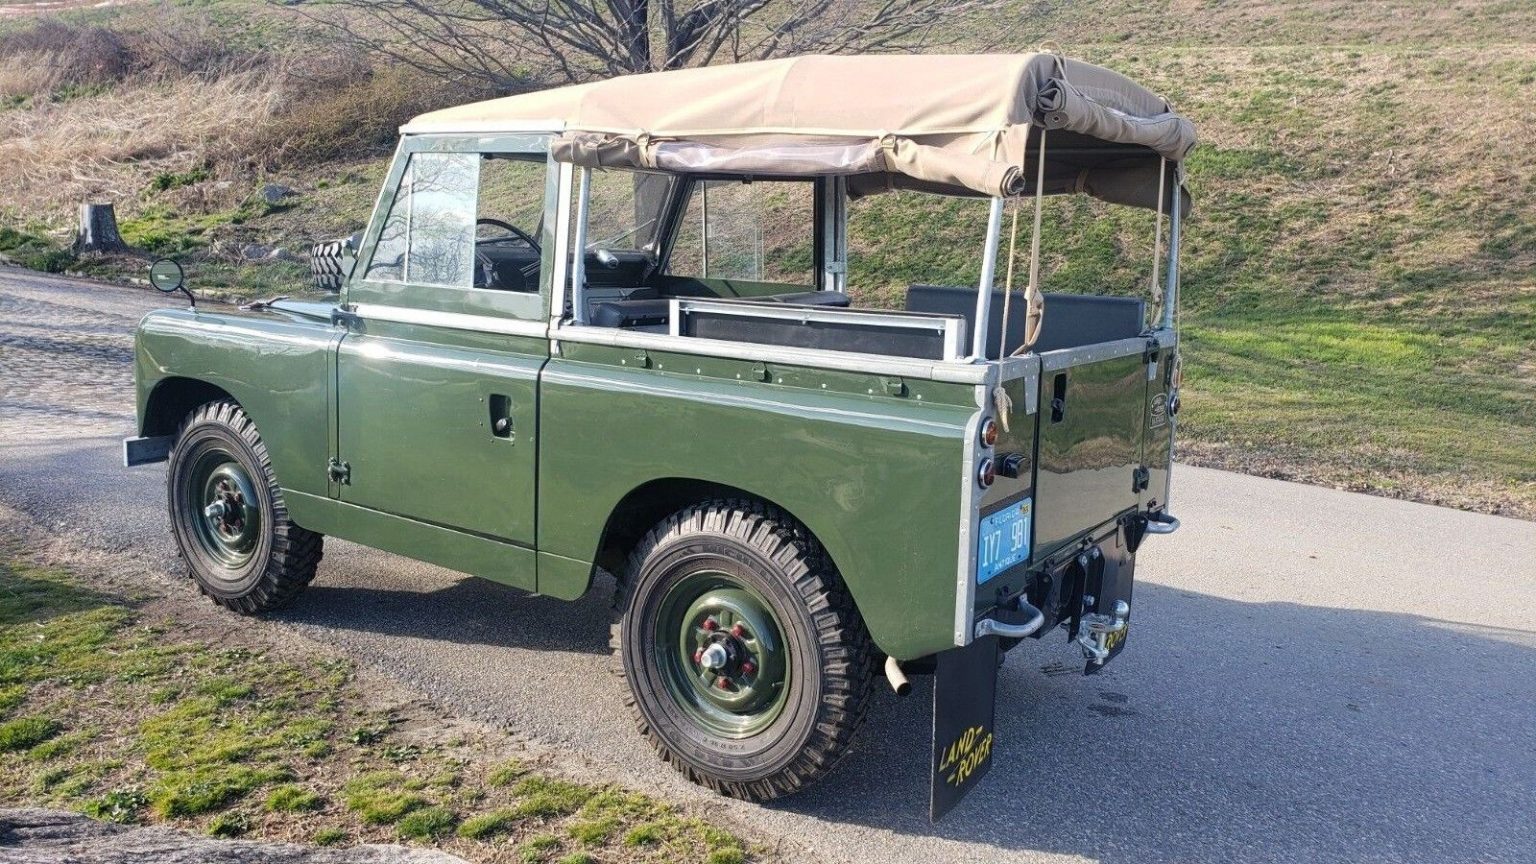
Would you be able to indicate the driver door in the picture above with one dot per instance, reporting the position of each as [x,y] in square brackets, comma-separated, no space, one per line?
[437,375]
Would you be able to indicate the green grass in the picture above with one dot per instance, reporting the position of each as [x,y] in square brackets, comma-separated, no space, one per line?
[488,825]
[429,823]
[116,713]
[26,732]
[293,799]
[34,251]
[330,837]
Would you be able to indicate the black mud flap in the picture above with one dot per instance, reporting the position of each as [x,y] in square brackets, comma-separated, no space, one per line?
[964,707]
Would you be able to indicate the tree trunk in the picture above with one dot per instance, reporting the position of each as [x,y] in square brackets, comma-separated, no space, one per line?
[98,231]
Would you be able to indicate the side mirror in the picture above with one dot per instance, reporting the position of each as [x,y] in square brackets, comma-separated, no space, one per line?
[167,276]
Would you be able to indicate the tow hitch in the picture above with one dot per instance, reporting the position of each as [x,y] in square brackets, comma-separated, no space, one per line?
[1100,633]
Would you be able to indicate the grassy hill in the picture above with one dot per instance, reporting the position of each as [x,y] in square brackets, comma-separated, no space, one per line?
[1360,277]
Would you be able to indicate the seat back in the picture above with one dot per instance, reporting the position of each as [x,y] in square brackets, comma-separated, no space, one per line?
[1071,320]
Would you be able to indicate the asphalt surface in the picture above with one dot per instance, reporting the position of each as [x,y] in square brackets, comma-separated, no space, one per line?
[1314,675]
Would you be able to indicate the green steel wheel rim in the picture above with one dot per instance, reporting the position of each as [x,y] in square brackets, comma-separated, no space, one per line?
[722,654]
[224,509]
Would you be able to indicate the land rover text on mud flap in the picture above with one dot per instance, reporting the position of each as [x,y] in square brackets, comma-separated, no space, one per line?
[560,346]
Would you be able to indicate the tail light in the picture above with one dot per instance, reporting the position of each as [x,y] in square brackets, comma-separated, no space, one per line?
[988,432]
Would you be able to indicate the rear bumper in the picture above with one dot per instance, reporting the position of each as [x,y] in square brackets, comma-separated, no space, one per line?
[146,451]
[1161,522]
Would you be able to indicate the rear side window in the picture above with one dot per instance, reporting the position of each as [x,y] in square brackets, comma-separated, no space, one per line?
[429,235]
[757,231]
[624,209]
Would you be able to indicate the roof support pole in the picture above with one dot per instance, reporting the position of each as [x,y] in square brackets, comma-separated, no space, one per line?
[1175,220]
[578,250]
[988,276]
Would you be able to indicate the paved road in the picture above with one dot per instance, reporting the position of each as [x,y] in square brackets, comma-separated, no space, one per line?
[1315,676]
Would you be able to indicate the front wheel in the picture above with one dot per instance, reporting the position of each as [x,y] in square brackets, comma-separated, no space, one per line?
[228,517]
[747,665]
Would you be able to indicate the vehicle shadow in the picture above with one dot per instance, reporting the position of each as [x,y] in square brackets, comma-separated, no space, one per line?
[468,611]
[1232,731]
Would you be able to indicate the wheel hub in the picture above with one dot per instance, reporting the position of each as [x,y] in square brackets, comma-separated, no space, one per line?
[729,661]
[231,518]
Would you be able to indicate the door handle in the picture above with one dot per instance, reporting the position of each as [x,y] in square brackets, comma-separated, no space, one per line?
[501,416]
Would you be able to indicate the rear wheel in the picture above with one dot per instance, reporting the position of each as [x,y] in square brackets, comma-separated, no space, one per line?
[748,668]
[228,517]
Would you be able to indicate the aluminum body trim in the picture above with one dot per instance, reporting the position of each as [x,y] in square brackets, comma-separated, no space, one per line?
[872,318]
[1066,358]
[451,320]
[970,516]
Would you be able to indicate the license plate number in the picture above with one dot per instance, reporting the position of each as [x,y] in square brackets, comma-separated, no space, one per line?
[1003,540]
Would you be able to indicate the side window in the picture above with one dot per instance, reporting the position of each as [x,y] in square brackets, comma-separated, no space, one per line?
[510,221]
[625,209]
[429,236]
[759,230]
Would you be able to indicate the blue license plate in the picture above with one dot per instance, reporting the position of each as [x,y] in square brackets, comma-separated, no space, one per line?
[1003,540]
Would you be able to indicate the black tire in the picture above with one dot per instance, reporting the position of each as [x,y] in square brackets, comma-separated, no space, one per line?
[255,559]
[326,266]
[773,558]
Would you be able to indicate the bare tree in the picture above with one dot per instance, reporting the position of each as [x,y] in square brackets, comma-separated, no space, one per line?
[511,45]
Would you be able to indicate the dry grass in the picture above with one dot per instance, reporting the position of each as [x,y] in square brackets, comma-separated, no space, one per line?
[108,145]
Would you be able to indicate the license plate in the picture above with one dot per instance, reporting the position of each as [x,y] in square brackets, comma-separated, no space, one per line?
[1003,540]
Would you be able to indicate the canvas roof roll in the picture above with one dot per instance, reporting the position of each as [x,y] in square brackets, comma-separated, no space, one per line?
[950,124]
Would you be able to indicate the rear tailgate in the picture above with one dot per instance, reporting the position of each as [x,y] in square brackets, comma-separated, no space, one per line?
[1093,415]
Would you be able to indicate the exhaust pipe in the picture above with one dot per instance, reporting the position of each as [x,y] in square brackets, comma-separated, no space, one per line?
[898,678]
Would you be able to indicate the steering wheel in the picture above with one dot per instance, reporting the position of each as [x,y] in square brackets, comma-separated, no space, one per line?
[513,232]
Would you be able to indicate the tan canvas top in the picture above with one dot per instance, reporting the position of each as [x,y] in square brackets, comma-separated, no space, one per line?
[953,124]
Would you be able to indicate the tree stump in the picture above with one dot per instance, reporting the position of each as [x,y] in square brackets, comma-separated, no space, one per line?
[98,231]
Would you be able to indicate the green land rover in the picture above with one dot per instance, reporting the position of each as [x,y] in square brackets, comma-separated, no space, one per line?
[609,327]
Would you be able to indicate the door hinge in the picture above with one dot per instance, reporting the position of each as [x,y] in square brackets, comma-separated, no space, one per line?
[338,471]
[894,386]
[1140,479]
[1150,357]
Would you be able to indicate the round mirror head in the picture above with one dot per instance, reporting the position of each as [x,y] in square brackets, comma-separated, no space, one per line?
[166,275]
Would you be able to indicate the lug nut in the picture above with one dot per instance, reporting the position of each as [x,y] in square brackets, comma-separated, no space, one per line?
[748,667]
[698,656]
[710,625]
[723,683]
[737,630]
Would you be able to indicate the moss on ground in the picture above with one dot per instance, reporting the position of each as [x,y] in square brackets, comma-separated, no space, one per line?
[124,714]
